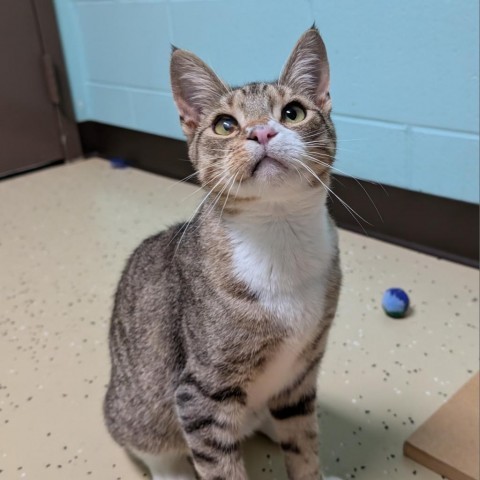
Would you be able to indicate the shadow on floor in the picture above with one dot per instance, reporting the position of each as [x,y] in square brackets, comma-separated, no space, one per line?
[353,449]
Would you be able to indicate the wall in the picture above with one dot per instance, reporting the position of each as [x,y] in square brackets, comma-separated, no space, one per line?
[405,73]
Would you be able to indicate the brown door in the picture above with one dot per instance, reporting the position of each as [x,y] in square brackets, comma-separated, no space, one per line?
[30,110]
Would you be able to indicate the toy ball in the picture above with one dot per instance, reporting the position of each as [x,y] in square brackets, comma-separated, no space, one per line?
[395,302]
[117,162]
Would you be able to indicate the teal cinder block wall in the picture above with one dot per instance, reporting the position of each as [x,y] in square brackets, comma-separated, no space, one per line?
[405,73]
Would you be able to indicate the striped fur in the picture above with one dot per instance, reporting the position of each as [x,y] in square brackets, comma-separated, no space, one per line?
[219,325]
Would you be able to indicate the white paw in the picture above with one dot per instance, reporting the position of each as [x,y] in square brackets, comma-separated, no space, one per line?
[173,477]
[166,466]
[268,430]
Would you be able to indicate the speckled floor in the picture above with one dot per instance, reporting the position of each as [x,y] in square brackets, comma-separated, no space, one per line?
[65,234]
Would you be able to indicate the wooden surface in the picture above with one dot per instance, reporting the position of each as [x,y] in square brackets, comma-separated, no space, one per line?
[448,442]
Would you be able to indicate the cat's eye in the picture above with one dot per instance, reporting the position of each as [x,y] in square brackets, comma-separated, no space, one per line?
[224,125]
[293,113]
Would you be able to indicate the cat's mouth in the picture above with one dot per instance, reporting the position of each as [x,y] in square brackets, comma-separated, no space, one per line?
[269,165]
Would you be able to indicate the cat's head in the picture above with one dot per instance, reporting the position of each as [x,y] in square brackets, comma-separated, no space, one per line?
[263,138]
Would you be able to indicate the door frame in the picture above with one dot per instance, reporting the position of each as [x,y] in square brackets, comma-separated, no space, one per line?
[57,80]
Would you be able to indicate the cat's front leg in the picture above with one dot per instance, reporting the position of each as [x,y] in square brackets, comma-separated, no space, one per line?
[295,422]
[211,418]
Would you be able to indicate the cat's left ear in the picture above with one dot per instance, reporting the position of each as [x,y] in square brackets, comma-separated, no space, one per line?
[307,70]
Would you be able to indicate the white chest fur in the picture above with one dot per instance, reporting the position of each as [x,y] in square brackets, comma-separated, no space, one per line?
[284,257]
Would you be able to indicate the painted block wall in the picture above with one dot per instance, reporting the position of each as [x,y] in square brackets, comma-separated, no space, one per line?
[405,73]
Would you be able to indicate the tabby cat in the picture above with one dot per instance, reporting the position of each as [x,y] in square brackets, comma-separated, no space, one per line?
[219,325]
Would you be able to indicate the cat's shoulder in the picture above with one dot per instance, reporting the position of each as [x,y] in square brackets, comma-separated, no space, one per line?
[156,249]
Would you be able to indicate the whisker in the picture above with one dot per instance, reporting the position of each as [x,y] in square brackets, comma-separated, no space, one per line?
[228,194]
[353,178]
[202,187]
[316,160]
[194,214]
[217,197]
[197,172]
[182,180]
[318,133]
[239,184]
[345,204]
[314,143]
[212,206]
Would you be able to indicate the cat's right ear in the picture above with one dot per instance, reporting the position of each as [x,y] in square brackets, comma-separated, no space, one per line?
[195,88]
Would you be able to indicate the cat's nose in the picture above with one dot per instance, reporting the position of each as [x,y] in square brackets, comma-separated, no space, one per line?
[262,134]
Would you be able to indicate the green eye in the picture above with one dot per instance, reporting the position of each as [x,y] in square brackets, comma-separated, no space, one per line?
[293,113]
[224,125]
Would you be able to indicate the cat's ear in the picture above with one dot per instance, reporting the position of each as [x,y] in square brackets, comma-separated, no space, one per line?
[307,70]
[195,88]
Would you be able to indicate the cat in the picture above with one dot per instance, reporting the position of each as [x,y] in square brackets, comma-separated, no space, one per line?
[219,324]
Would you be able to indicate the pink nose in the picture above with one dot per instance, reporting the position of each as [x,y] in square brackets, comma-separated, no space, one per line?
[262,134]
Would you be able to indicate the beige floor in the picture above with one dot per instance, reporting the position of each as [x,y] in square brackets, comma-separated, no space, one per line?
[65,234]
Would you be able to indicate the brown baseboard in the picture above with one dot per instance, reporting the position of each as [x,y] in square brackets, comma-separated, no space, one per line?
[434,225]
[153,153]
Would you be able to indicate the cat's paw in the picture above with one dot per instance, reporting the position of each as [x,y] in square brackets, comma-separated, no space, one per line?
[267,429]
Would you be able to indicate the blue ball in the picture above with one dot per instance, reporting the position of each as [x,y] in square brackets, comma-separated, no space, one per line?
[117,162]
[395,302]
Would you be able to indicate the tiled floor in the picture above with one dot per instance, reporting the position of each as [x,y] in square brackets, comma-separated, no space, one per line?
[65,234]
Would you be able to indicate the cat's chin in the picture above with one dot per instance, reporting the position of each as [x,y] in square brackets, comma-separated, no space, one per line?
[285,189]
[268,168]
